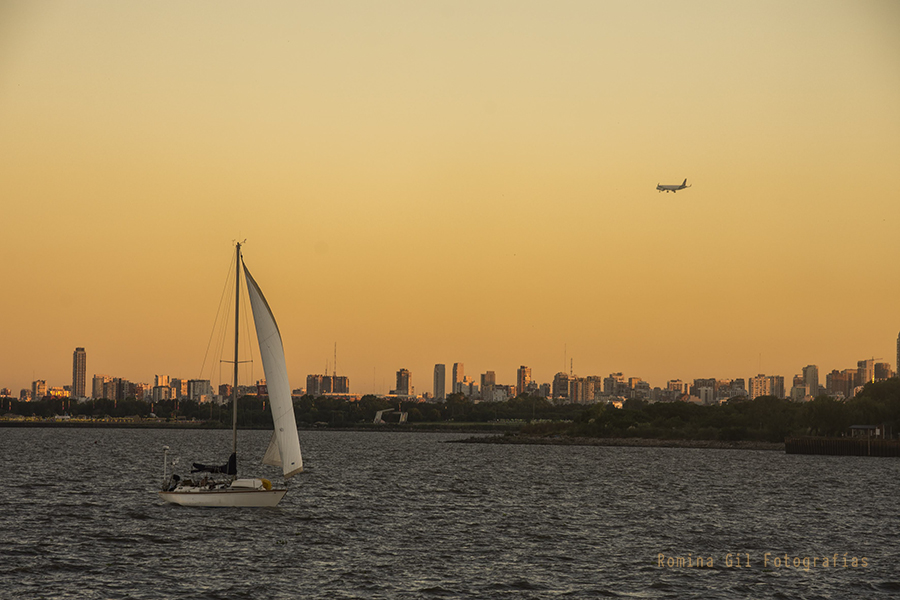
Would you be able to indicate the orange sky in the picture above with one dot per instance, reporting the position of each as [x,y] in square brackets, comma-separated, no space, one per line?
[444,181]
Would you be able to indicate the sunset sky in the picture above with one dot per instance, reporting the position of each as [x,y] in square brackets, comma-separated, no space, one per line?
[440,182]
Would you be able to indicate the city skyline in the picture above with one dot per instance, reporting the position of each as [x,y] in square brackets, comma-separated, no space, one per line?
[318,384]
[430,183]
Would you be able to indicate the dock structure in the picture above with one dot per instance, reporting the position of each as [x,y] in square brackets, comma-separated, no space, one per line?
[843,446]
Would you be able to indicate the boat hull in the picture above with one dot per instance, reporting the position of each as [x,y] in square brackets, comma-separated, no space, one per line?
[228,497]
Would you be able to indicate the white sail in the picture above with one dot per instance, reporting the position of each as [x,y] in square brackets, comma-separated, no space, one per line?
[272,457]
[271,350]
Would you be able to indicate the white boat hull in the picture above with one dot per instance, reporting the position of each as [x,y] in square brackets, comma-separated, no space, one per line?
[227,497]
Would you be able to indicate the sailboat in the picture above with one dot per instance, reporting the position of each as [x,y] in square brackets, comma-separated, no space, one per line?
[284,448]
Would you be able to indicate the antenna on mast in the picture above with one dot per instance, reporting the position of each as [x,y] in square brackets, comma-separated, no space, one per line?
[335,360]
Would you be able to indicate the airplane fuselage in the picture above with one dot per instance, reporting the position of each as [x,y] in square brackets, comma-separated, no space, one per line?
[672,188]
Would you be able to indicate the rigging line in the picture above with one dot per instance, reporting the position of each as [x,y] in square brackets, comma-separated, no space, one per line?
[249,337]
[223,334]
[223,326]
[216,320]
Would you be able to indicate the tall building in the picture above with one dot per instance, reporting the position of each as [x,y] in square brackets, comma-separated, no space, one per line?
[811,379]
[160,393]
[866,371]
[318,385]
[315,385]
[777,385]
[709,382]
[459,374]
[883,371]
[841,383]
[404,378]
[596,382]
[440,382]
[198,388]
[560,386]
[767,385]
[97,386]
[79,372]
[340,384]
[488,383]
[523,378]
[675,385]
[179,388]
[143,391]
[488,378]
[38,389]
[581,390]
[614,384]
[707,395]
[111,389]
[760,385]
[467,387]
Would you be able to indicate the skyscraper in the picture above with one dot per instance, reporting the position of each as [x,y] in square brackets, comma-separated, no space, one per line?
[488,378]
[459,373]
[315,385]
[97,386]
[198,388]
[523,378]
[883,371]
[79,372]
[341,384]
[440,382]
[767,385]
[866,371]
[404,378]
[38,389]
[841,382]
[488,382]
[560,386]
[811,379]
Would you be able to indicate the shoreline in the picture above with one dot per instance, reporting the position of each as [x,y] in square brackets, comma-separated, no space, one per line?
[467,428]
[626,442]
[484,434]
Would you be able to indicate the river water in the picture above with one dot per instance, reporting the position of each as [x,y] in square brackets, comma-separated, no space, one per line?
[407,515]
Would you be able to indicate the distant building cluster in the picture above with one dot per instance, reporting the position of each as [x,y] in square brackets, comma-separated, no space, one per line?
[614,388]
[617,388]
[112,388]
[320,385]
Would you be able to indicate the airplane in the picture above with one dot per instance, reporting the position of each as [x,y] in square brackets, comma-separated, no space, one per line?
[672,188]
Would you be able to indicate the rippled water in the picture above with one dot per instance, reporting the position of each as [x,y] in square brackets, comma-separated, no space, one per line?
[405,515]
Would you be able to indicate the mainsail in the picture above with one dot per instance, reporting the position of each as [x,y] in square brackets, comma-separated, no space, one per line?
[272,352]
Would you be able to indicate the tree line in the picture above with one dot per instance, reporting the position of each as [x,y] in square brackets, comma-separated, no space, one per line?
[762,419]
[766,418]
[334,412]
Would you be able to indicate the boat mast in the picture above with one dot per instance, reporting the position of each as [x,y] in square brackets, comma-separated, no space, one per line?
[237,323]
